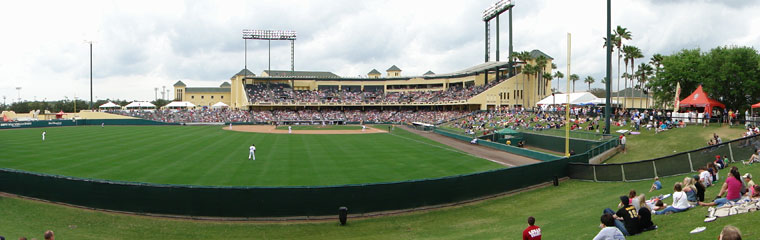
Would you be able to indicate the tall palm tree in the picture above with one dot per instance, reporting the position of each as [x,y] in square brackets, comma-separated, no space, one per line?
[558,75]
[645,71]
[620,34]
[525,57]
[546,78]
[634,54]
[528,70]
[589,80]
[541,62]
[573,78]
[655,61]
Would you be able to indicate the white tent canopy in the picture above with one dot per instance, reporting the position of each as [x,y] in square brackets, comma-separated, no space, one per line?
[220,105]
[109,105]
[140,105]
[180,105]
[575,98]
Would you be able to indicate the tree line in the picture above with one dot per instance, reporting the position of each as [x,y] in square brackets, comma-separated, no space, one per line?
[67,105]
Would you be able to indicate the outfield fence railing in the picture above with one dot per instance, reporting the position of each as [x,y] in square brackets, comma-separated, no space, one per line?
[679,163]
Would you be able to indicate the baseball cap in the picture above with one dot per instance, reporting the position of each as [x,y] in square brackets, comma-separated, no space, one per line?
[747,175]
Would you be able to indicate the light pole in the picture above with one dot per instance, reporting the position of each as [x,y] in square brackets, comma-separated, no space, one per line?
[18,89]
[90,42]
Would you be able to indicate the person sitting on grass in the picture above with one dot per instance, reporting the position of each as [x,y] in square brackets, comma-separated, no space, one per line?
[705,177]
[609,231]
[690,189]
[645,214]
[700,189]
[750,184]
[657,185]
[719,162]
[730,233]
[731,187]
[626,218]
[680,202]
[753,159]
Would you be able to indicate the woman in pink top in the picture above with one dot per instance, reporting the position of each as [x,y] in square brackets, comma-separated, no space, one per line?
[732,188]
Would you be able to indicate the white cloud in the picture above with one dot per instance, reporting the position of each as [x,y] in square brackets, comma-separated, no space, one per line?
[140,45]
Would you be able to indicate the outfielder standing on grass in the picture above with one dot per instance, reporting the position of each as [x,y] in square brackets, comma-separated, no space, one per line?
[43,135]
[252,152]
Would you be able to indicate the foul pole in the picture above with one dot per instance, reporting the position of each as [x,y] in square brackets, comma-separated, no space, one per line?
[567,104]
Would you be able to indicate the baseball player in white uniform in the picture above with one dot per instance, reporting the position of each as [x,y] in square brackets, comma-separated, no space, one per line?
[43,135]
[252,152]
[363,128]
[290,130]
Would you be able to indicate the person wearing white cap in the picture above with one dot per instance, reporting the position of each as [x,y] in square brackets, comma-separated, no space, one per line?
[750,184]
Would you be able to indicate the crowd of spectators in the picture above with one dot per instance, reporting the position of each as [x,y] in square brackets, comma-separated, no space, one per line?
[282,93]
[196,115]
[266,116]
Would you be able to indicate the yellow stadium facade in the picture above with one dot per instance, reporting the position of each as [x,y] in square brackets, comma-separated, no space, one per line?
[519,90]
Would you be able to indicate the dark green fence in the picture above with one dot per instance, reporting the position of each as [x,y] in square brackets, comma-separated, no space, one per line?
[274,201]
[80,122]
[503,147]
[679,163]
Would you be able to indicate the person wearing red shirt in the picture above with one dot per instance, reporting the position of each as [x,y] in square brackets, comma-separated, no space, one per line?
[532,232]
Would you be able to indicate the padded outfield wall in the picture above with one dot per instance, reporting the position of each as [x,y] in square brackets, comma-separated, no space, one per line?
[251,202]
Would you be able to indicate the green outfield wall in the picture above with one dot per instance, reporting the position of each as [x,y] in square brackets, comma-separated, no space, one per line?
[81,122]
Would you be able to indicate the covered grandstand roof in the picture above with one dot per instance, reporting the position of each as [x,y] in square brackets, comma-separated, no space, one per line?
[244,72]
[535,53]
[374,71]
[475,69]
[315,74]
[393,68]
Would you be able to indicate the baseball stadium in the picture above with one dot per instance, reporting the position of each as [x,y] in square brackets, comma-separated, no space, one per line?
[491,151]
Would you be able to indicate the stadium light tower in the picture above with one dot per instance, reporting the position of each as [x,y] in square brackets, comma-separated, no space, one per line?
[270,35]
[18,89]
[90,42]
[493,12]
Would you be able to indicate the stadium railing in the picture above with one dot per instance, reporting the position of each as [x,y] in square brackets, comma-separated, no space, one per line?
[502,147]
[679,163]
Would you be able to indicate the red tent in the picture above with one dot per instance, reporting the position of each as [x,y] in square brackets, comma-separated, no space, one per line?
[756,105]
[699,99]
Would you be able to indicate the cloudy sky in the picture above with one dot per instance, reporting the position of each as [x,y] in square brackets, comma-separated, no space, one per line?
[140,45]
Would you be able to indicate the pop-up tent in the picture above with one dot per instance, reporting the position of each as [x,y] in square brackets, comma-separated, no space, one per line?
[561,98]
[109,105]
[140,105]
[219,105]
[173,105]
[699,98]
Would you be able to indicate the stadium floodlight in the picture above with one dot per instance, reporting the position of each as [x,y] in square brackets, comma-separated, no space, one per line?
[497,8]
[270,35]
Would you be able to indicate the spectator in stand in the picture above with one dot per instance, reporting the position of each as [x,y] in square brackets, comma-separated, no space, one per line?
[532,232]
[680,202]
[609,230]
[730,233]
[626,218]
[49,235]
[731,187]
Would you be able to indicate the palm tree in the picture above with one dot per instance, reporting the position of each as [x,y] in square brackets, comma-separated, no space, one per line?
[558,75]
[620,34]
[540,68]
[645,71]
[528,70]
[546,78]
[525,57]
[589,80]
[573,78]
[634,54]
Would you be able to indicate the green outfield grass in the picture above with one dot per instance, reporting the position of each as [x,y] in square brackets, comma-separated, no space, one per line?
[570,211]
[208,155]
[319,127]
